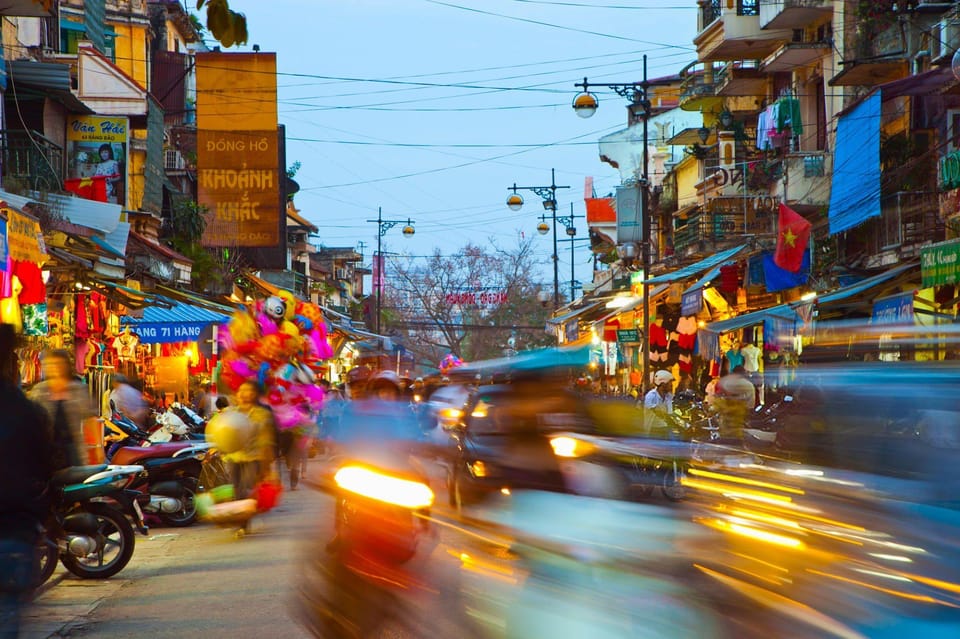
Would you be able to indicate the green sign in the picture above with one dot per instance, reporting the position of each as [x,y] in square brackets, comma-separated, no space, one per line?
[630,335]
[940,264]
[950,170]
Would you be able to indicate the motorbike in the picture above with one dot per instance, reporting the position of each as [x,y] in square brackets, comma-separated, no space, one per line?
[89,531]
[171,480]
[765,422]
[381,523]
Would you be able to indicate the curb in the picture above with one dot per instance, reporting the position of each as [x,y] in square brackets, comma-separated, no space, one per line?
[48,585]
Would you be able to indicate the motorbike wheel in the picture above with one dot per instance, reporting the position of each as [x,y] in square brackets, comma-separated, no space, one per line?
[188,513]
[114,536]
[46,559]
[673,488]
[214,473]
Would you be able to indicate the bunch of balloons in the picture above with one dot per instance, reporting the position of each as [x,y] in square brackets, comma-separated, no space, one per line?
[279,343]
[449,362]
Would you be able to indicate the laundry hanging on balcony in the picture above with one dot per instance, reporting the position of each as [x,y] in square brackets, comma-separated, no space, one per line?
[779,122]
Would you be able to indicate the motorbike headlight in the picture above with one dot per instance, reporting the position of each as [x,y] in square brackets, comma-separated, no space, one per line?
[373,484]
[564,446]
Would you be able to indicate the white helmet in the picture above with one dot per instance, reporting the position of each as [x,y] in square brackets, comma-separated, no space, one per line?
[662,377]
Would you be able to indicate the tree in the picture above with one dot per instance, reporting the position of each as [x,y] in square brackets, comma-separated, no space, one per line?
[227,26]
[477,304]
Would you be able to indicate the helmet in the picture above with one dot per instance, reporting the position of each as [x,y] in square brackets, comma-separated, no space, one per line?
[662,377]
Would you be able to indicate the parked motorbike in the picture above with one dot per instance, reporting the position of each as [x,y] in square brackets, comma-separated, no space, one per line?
[89,531]
[171,480]
[766,421]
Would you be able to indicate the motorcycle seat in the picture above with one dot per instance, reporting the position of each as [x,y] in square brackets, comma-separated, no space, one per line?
[133,454]
[75,474]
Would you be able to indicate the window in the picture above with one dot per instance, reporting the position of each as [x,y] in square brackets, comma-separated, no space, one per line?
[748,7]
[953,130]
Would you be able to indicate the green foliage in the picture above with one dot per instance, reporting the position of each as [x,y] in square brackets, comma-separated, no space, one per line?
[293,169]
[226,25]
[187,221]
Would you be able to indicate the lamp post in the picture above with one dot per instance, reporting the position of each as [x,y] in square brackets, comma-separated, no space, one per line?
[549,196]
[585,104]
[382,227]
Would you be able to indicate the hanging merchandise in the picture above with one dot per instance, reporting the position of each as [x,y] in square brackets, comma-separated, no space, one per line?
[279,343]
[35,319]
[729,278]
[10,312]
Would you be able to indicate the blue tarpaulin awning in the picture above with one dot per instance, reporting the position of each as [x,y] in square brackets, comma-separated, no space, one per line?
[863,285]
[855,190]
[692,270]
[179,323]
[783,312]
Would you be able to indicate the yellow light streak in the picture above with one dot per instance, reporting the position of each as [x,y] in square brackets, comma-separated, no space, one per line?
[744,480]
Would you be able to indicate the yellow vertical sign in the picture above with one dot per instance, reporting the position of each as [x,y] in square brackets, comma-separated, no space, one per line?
[238,162]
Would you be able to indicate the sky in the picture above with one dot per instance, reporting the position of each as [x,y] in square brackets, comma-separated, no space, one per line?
[432,109]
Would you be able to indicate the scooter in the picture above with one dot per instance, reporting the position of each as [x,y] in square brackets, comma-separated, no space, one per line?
[89,531]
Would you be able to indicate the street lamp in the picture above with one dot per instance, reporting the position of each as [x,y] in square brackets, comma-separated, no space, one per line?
[549,196]
[638,94]
[382,227]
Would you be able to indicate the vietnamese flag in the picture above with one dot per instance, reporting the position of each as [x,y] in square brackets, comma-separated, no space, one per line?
[793,235]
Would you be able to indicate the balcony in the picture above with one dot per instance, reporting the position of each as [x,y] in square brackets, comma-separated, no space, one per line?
[794,55]
[793,14]
[742,79]
[877,59]
[31,159]
[289,280]
[706,232]
[698,88]
[730,30]
[908,221]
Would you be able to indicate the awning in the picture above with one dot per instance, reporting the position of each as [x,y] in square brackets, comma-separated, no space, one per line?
[100,216]
[129,297]
[705,280]
[562,319]
[42,79]
[635,303]
[179,323]
[855,190]
[863,285]
[691,136]
[196,300]
[781,312]
[691,270]
[927,83]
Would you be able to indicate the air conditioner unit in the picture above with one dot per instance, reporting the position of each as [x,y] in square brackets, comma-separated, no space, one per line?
[173,160]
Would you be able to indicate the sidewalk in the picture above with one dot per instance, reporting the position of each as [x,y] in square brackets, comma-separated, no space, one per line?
[66,602]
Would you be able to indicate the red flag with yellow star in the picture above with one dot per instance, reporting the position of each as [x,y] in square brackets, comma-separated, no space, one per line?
[793,235]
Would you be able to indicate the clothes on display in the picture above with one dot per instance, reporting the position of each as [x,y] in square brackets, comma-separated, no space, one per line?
[751,357]
[734,358]
[126,344]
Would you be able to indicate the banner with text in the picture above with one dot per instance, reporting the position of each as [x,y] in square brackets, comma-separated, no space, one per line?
[97,164]
[940,264]
[24,238]
[238,149]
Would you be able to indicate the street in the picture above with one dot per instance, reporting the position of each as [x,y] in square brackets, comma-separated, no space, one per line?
[196,581]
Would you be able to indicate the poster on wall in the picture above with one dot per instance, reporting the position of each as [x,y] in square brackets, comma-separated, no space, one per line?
[97,159]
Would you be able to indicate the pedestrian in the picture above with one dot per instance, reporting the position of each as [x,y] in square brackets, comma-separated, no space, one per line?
[253,463]
[222,403]
[68,406]
[26,456]
[658,402]
[735,400]
[128,401]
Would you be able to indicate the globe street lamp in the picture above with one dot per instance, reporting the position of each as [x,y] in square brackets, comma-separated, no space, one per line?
[637,93]
[382,227]
[549,196]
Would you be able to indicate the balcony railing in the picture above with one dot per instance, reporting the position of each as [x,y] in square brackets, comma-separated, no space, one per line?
[706,231]
[908,220]
[32,159]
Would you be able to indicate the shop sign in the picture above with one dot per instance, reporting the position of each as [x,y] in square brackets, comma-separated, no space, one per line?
[97,158]
[571,331]
[629,214]
[628,336]
[940,264]
[238,181]
[692,302]
[168,333]
[24,238]
[897,309]
[950,170]
[3,245]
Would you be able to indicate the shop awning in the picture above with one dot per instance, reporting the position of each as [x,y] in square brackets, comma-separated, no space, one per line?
[636,302]
[562,319]
[178,323]
[855,189]
[692,270]
[705,280]
[781,312]
[196,300]
[863,285]
[100,216]
[129,297]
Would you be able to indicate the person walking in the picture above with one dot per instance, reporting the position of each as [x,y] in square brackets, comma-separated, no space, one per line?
[26,467]
[253,462]
[67,404]
[735,400]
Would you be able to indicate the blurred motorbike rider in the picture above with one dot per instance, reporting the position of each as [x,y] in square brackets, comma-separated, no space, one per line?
[67,404]
[128,401]
[735,399]
[658,402]
[26,456]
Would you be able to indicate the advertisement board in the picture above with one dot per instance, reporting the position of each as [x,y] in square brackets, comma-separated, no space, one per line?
[239,150]
[97,158]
